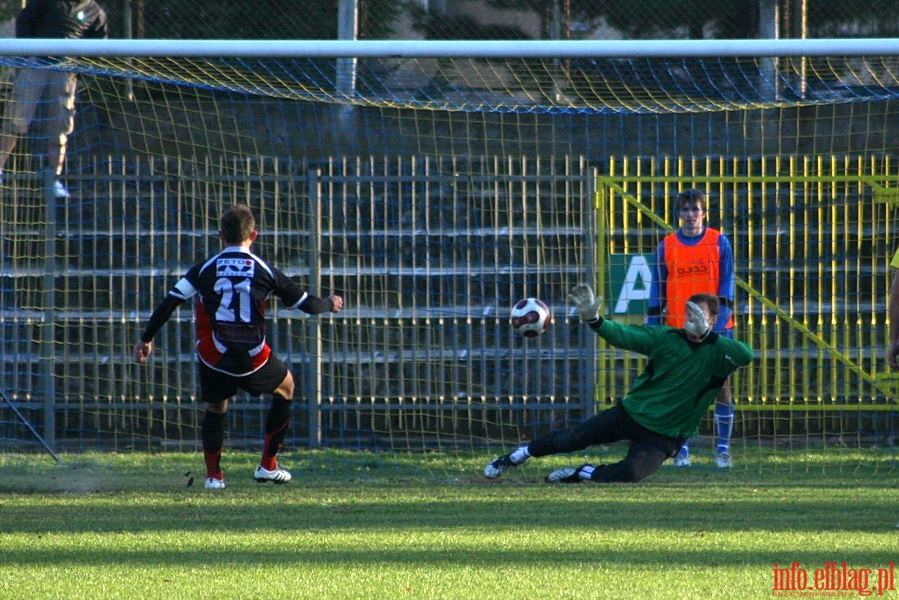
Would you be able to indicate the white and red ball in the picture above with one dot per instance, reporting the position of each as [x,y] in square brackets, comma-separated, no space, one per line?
[531,317]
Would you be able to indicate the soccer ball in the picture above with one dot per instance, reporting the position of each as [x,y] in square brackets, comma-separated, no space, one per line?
[531,317]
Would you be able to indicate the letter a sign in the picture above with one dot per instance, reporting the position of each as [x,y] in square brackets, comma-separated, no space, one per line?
[630,279]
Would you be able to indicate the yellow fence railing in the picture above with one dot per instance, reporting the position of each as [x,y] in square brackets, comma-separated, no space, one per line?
[812,240]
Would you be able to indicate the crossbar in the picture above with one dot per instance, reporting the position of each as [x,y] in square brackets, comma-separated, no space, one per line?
[454,48]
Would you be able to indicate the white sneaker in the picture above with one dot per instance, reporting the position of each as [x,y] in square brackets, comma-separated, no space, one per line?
[723,460]
[498,466]
[213,483]
[276,475]
[569,474]
[683,460]
[59,190]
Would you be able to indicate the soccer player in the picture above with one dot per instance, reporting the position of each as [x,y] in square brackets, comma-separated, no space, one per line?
[696,259]
[685,370]
[232,290]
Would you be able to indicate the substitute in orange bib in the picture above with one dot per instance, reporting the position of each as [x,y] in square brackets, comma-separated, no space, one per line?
[696,259]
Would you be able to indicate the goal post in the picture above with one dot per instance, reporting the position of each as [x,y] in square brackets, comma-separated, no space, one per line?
[452,179]
[526,49]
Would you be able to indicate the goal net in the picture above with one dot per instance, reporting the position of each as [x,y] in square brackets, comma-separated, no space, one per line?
[432,186]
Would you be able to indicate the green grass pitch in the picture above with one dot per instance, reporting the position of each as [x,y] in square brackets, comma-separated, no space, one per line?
[129,526]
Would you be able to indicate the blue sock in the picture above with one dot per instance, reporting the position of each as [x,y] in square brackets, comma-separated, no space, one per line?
[684,450]
[724,424]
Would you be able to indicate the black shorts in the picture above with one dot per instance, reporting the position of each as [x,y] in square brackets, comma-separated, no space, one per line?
[216,386]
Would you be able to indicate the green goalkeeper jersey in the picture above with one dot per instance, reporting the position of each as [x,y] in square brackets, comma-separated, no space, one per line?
[681,378]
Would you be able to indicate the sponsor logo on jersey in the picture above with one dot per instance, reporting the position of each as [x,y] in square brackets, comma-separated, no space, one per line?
[693,269]
[235,267]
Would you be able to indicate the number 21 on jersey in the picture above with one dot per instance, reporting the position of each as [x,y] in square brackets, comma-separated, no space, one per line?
[236,303]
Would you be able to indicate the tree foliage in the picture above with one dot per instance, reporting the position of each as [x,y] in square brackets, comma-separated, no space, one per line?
[262,19]
[724,19]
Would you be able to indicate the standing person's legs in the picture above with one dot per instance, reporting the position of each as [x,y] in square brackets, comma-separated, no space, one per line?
[61,120]
[212,437]
[724,423]
[272,378]
[682,458]
[215,390]
[724,419]
[28,87]
[277,422]
[61,123]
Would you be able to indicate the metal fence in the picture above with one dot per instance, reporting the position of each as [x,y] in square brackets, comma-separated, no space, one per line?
[430,254]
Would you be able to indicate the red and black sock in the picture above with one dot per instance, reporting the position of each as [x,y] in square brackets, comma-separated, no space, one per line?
[212,434]
[276,424]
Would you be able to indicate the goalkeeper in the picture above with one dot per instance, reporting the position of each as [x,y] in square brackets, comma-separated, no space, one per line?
[685,370]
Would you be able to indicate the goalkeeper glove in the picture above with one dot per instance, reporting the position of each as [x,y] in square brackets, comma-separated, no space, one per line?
[581,297]
[696,324]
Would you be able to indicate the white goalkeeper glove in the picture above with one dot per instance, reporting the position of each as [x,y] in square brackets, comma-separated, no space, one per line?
[581,297]
[696,324]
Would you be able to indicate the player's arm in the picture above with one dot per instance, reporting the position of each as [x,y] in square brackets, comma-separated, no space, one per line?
[180,293]
[735,351]
[725,283]
[314,305]
[161,314]
[636,338]
[657,287]
[628,337]
[295,297]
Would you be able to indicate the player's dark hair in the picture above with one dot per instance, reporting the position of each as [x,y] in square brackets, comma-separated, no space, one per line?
[237,224]
[689,197]
[709,300]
